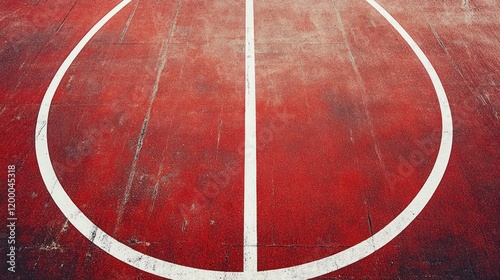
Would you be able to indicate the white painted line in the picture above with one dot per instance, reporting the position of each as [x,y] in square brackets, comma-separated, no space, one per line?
[250,175]
[308,270]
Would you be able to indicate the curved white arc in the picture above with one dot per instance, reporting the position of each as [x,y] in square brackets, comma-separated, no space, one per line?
[308,270]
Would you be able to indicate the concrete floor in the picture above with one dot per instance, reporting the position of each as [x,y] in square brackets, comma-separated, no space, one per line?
[150,139]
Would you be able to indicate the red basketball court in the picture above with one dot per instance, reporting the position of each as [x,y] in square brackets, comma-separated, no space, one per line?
[250,139]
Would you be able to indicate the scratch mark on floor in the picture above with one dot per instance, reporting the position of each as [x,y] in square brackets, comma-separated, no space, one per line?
[66,17]
[48,39]
[184,223]
[155,188]
[372,21]
[493,108]
[2,108]
[218,138]
[368,218]
[65,227]
[51,247]
[467,82]
[469,10]
[44,124]
[360,82]
[453,62]
[129,20]
[323,155]
[9,14]
[161,65]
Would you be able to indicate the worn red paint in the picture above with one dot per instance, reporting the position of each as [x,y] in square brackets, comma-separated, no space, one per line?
[338,155]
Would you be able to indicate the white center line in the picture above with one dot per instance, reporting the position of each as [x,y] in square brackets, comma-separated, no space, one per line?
[250,181]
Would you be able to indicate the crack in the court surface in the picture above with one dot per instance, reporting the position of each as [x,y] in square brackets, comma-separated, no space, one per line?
[66,17]
[369,219]
[161,63]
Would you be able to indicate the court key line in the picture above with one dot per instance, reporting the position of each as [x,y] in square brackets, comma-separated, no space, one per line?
[250,173]
[308,270]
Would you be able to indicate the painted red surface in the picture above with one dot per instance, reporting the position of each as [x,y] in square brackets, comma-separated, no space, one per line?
[147,128]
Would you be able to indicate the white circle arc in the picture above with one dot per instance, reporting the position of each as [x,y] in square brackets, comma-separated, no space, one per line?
[174,271]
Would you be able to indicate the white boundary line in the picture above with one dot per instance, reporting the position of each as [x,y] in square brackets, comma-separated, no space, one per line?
[307,270]
[250,175]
